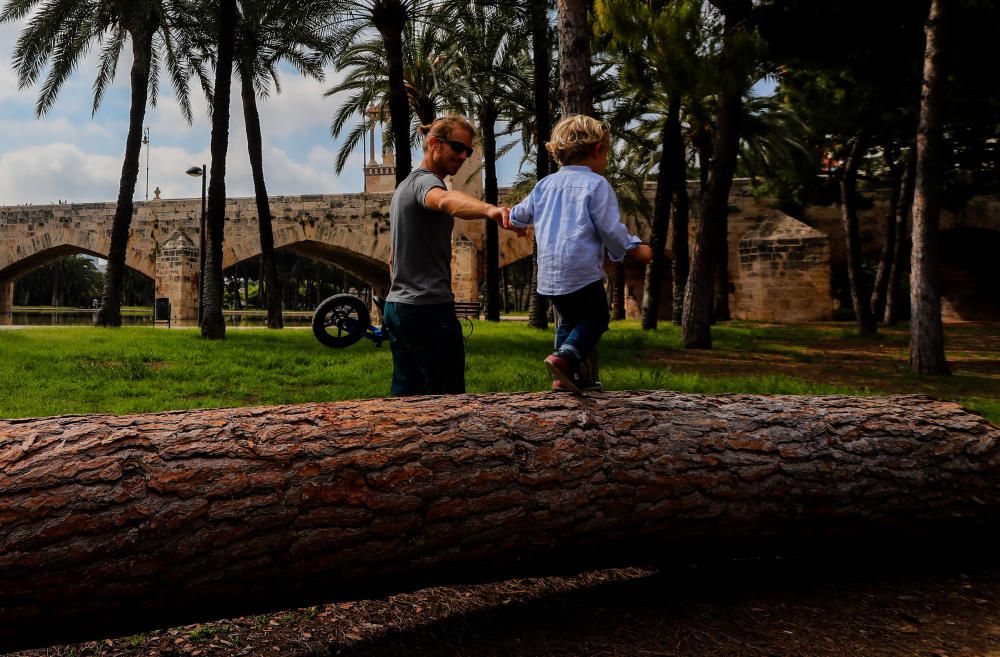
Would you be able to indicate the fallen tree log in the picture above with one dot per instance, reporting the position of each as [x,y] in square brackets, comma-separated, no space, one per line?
[112,524]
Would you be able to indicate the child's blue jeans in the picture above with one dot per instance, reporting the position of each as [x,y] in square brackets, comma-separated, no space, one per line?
[583,318]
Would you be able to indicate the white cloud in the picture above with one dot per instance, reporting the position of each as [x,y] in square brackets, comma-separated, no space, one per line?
[57,171]
[70,155]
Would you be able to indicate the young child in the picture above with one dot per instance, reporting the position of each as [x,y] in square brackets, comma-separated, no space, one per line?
[576,219]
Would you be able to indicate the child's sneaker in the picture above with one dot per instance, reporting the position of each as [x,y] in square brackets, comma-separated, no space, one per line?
[565,371]
[586,386]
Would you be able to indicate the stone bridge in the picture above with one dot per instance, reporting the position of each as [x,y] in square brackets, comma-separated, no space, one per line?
[349,231]
[781,268]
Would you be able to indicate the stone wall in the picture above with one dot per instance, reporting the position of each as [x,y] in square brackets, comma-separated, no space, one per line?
[783,273]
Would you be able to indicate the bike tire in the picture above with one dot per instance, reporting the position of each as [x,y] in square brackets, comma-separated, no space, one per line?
[340,321]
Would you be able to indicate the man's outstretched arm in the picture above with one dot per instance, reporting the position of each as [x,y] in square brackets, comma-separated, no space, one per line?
[462,206]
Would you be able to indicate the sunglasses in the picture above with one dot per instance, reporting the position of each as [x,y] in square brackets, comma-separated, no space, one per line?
[456,146]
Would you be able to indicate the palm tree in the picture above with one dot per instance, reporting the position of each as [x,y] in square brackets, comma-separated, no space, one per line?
[61,32]
[426,73]
[541,61]
[656,47]
[354,20]
[493,62]
[268,32]
[213,324]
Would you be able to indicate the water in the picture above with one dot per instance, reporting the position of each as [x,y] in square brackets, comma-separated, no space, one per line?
[86,318]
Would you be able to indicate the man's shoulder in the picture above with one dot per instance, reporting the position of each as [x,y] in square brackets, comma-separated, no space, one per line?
[423,177]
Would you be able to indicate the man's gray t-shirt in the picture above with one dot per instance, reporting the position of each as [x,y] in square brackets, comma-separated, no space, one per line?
[421,244]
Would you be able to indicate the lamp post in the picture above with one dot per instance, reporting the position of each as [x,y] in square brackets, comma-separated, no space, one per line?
[202,172]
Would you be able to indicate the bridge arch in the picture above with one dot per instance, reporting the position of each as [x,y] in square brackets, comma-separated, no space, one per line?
[47,246]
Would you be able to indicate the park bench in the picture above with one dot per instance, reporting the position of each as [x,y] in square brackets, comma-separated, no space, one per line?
[467,309]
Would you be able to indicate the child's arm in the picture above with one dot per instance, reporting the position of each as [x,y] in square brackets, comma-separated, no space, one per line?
[608,222]
[522,215]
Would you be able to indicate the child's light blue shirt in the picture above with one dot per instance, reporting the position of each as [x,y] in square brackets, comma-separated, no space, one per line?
[575,215]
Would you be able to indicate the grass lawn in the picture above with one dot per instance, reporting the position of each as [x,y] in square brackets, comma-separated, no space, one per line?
[45,371]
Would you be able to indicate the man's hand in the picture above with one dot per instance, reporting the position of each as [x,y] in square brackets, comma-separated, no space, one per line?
[503,218]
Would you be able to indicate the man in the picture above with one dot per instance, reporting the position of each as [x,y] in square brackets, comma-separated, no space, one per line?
[428,350]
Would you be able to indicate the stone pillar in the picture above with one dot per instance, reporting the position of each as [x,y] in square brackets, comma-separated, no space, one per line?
[177,265]
[6,302]
[464,269]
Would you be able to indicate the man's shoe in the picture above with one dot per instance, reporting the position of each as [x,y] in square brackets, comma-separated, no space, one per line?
[566,372]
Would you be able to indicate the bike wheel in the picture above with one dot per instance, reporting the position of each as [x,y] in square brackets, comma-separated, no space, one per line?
[340,321]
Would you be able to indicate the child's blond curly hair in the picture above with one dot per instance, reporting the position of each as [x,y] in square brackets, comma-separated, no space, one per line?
[575,136]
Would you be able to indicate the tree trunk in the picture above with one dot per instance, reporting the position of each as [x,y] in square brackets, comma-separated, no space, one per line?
[699,293]
[538,306]
[860,296]
[720,306]
[487,123]
[679,242]
[575,87]
[390,21]
[504,290]
[666,181]
[110,312]
[234,290]
[213,325]
[57,285]
[618,292]
[901,249]
[264,228]
[541,49]
[880,289]
[926,331]
[119,524]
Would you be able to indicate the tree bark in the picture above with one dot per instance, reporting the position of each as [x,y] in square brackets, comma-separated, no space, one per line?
[213,324]
[491,192]
[265,231]
[901,249]
[541,53]
[576,94]
[117,524]
[618,292]
[679,241]
[860,297]
[880,289]
[926,330]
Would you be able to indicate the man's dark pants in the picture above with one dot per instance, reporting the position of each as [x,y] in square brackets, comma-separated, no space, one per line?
[428,350]
[583,317]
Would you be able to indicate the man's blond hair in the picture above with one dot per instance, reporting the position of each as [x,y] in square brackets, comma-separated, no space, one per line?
[443,127]
[575,136]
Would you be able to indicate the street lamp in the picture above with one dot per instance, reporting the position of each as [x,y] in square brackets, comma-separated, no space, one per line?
[201,172]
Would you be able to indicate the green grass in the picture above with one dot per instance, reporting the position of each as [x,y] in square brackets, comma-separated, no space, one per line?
[46,371]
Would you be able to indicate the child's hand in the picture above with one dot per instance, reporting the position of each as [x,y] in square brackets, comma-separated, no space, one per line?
[641,254]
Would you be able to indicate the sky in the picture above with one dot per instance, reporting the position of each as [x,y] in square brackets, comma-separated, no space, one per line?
[70,155]
[73,156]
